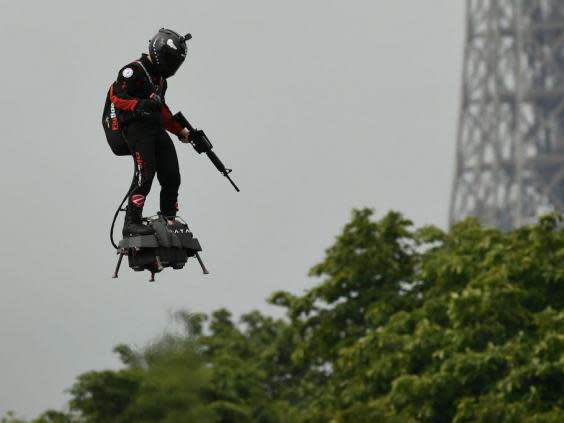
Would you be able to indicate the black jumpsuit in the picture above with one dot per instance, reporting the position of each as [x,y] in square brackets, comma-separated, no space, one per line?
[146,136]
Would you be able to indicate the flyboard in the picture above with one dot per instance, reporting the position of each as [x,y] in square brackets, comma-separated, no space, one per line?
[172,242]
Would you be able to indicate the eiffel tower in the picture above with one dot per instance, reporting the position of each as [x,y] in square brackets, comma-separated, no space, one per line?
[510,142]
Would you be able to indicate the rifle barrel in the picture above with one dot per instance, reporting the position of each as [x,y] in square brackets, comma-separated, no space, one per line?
[232,183]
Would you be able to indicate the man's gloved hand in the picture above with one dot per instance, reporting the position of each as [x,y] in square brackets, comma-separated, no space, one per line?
[149,105]
[157,99]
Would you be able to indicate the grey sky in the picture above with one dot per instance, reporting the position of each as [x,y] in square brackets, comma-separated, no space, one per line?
[319,106]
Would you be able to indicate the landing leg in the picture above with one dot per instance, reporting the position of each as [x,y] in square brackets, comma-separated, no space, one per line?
[121,254]
[158,264]
[206,272]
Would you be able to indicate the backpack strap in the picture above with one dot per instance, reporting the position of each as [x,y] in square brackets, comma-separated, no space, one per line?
[146,72]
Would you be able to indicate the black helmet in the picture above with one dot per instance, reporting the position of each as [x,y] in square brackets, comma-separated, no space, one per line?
[168,50]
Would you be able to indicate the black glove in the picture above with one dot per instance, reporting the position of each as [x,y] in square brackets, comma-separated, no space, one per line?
[149,105]
[157,99]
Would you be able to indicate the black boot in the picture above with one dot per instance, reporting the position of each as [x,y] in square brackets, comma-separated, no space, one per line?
[169,217]
[132,225]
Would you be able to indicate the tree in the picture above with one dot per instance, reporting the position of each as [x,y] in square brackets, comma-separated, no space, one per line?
[467,326]
[405,325]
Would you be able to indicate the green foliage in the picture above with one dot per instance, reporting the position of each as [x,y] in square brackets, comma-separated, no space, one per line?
[50,416]
[404,325]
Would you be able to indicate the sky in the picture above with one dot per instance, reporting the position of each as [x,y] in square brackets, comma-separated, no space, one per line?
[318,106]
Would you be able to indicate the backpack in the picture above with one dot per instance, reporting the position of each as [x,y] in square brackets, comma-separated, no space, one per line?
[112,129]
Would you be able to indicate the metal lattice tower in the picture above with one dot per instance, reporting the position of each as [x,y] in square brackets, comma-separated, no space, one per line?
[510,147]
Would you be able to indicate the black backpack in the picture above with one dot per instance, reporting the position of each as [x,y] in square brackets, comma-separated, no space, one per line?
[112,128]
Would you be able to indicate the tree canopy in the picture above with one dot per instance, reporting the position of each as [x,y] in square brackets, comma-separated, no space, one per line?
[404,325]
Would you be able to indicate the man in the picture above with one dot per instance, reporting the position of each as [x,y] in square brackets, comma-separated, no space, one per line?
[137,101]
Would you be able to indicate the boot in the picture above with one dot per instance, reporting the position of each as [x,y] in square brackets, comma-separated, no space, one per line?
[132,225]
[168,217]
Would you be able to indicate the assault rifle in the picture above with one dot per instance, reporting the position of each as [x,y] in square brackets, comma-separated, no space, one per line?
[202,144]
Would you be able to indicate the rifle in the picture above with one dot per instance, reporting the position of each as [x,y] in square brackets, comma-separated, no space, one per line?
[202,144]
